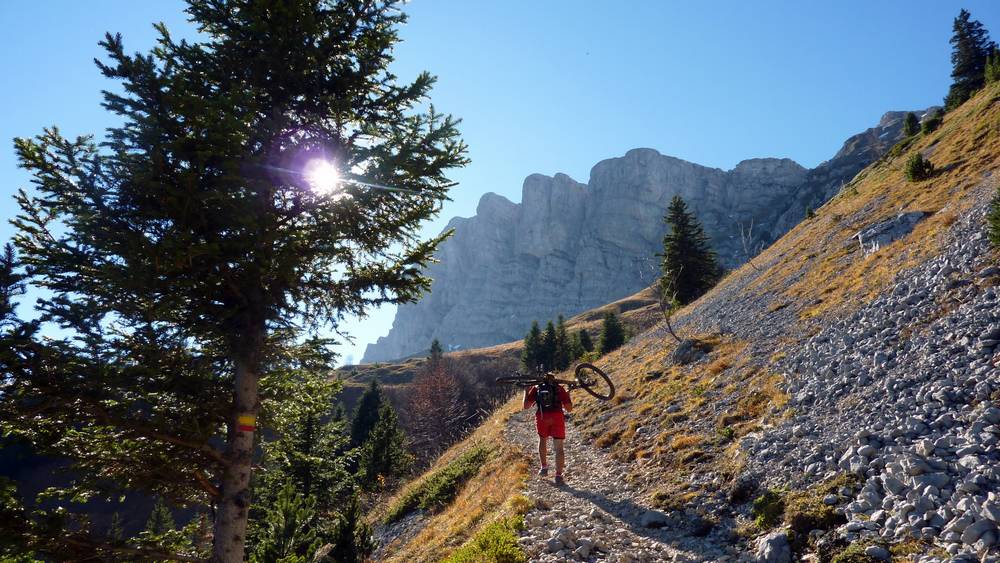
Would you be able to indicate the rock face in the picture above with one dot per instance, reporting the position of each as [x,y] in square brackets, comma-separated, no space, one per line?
[568,247]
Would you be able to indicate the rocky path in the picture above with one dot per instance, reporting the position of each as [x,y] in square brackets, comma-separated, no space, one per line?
[595,516]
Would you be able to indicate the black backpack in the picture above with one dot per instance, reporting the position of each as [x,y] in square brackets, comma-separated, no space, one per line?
[547,397]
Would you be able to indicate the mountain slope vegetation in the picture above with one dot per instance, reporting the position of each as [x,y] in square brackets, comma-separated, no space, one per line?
[813,326]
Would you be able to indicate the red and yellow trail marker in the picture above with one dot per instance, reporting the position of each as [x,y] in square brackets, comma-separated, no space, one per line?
[246,423]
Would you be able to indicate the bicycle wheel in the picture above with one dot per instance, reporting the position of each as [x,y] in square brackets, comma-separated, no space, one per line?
[594,381]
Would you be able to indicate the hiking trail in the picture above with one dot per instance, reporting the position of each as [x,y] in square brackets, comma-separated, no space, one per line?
[596,515]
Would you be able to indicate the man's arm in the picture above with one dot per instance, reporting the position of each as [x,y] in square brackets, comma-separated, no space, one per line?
[529,398]
[567,401]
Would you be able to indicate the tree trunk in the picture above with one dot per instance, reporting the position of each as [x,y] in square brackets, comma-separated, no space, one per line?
[234,504]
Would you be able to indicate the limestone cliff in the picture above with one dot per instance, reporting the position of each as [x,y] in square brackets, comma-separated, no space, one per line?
[568,247]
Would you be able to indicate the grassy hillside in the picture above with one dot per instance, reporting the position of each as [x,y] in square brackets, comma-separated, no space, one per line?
[692,416]
[458,504]
[638,312]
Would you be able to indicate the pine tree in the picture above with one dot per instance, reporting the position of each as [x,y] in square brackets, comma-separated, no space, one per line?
[917,168]
[115,533]
[932,122]
[971,45]
[563,354]
[161,519]
[689,265]
[436,352]
[585,342]
[354,535]
[548,348]
[291,533]
[993,67]
[384,458]
[366,414]
[531,354]
[183,257]
[612,334]
[911,125]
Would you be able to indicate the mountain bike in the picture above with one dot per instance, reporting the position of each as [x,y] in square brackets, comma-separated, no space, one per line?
[589,377]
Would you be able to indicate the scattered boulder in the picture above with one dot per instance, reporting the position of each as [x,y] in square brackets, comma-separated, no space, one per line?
[687,352]
[774,548]
[653,519]
[880,234]
[877,552]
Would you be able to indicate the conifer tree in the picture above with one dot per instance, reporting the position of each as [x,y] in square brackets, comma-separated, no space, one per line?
[585,342]
[384,458]
[436,352]
[366,414]
[689,265]
[531,354]
[161,519]
[186,258]
[548,348]
[612,333]
[917,168]
[970,45]
[575,348]
[993,67]
[354,535]
[563,354]
[911,125]
[931,123]
[115,533]
[292,532]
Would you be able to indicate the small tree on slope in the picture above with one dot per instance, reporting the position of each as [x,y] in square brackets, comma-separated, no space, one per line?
[366,413]
[911,125]
[531,354]
[970,46]
[689,266]
[187,257]
[384,458]
[917,168]
[612,334]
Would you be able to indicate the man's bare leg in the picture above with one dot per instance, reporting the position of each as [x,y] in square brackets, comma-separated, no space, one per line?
[543,452]
[560,456]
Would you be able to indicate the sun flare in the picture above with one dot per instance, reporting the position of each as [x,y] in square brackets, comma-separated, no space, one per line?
[322,176]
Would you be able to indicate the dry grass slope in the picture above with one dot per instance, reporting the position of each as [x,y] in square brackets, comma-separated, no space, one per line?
[484,499]
[681,425]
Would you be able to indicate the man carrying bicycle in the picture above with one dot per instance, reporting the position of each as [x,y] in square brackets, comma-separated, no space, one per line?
[550,400]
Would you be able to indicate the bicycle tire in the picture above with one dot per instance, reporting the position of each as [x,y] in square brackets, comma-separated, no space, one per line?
[593,387]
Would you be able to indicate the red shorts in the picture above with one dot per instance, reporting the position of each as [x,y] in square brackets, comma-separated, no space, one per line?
[551,424]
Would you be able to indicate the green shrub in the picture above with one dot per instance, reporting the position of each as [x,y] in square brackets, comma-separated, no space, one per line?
[441,487]
[496,542]
[932,123]
[806,511]
[993,221]
[917,168]
[810,213]
[911,125]
[767,509]
[855,553]
[993,67]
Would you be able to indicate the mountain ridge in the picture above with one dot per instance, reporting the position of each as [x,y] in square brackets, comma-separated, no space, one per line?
[569,246]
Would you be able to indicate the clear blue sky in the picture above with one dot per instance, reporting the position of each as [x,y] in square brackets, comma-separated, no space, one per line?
[556,86]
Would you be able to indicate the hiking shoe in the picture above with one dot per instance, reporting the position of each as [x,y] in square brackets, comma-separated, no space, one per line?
[543,472]
[559,480]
